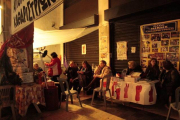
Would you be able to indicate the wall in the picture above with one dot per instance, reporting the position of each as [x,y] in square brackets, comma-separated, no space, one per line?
[73,49]
[103,29]
[115,3]
[46,22]
[127,28]
[80,10]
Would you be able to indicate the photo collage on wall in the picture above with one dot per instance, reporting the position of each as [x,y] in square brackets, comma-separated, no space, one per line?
[162,46]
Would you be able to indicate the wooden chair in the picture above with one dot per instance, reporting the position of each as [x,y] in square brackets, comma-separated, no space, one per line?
[7,98]
[67,92]
[102,90]
[175,105]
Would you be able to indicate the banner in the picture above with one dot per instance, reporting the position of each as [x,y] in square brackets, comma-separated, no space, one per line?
[160,27]
[24,12]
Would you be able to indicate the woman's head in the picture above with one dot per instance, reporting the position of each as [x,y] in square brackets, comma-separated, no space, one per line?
[72,64]
[35,66]
[131,64]
[53,55]
[167,65]
[153,62]
[85,64]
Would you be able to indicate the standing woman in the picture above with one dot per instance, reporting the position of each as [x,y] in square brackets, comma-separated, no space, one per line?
[169,82]
[152,72]
[54,66]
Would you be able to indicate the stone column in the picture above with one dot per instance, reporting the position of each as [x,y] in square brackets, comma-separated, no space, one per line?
[103,32]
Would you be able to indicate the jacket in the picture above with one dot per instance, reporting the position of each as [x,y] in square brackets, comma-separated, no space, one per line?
[54,67]
[72,73]
[106,74]
[171,81]
[136,69]
[152,73]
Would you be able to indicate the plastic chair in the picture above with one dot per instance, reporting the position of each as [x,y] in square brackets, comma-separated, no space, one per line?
[68,92]
[103,90]
[175,105]
[7,98]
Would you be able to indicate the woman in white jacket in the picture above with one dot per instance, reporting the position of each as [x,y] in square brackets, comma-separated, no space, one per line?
[105,74]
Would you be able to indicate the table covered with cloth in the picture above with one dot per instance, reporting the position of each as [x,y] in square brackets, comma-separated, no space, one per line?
[27,94]
[142,92]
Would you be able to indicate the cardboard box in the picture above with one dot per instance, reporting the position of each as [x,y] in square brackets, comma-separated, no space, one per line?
[131,79]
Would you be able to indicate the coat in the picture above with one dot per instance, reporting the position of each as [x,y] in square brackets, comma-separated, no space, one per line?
[171,80]
[151,73]
[54,67]
[106,75]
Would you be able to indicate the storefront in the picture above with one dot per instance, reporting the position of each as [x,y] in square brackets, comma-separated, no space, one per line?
[74,49]
[125,26]
[85,48]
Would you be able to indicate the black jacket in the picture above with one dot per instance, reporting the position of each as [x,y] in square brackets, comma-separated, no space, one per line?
[171,81]
[152,73]
[136,69]
[71,72]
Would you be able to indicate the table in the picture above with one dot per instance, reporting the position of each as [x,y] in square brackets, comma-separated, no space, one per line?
[142,92]
[29,94]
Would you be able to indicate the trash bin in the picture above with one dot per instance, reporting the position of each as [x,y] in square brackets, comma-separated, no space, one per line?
[51,97]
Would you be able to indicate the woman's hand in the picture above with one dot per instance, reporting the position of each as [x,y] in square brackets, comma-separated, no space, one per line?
[81,72]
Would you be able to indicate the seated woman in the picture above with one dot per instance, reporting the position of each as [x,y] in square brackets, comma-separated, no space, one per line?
[152,72]
[37,72]
[72,76]
[85,74]
[133,67]
[169,82]
[105,72]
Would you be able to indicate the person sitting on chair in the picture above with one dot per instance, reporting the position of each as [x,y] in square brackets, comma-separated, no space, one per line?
[36,72]
[133,67]
[152,72]
[72,76]
[105,73]
[85,75]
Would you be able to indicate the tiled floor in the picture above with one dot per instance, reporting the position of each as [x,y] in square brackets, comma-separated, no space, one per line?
[114,111]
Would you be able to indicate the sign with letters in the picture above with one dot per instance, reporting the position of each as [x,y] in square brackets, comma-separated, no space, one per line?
[161,27]
[24,12]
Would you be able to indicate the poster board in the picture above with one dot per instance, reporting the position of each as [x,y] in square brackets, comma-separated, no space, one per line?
[161,41]
[122,50]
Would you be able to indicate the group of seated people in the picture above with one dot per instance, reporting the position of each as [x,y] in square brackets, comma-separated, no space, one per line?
[84,77]
[169,78]
[88,79]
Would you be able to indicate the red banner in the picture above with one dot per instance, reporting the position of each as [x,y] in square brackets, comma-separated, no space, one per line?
[21,39]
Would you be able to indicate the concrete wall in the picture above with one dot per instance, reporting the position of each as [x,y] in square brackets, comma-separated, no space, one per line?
[103,29]
[46,22]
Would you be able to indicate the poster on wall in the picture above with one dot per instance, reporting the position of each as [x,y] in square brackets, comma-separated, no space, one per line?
[24,12]
[122,50]
[83,49]
[164,42]
[104,45]
[172,56]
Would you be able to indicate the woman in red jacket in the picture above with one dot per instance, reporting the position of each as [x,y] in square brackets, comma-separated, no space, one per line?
[54,70]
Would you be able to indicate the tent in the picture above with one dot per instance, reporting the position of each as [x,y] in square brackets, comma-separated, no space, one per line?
[45,38]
